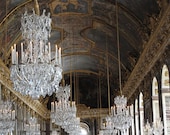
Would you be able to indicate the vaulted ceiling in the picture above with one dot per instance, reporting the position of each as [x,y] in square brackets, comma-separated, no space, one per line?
[86,30]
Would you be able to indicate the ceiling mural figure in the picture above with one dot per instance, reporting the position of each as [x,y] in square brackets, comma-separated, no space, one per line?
[74,6]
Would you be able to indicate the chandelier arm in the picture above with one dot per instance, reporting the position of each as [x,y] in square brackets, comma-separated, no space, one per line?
[24,78]
[19,76]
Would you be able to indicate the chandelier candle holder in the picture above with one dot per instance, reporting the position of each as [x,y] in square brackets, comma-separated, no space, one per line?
[32,128]
[7,117]
[120,114]
[35,69]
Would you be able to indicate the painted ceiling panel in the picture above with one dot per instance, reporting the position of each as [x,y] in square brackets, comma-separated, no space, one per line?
[86,32]
[141,8]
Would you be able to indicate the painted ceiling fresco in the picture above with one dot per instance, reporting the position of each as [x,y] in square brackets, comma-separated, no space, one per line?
[86,31]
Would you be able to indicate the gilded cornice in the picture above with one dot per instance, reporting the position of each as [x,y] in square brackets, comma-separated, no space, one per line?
[34,105]
[13,11]
[153,50]
[92,113]
[85,112]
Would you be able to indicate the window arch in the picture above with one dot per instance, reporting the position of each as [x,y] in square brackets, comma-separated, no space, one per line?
[165,77]
[84,128]
[141,112]
[154,87]
[155,100]
[132,114]
[166,99]
[136,117]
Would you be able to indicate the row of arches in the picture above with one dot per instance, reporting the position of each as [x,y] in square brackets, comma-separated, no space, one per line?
[160,105]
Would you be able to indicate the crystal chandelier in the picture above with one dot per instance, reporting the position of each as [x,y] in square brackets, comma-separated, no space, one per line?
[7,117]
[120,114]
[156,129]
[32,128]
[34,71]
[63,112]
[108,127]
[73,126]
[63,109]
[147,129]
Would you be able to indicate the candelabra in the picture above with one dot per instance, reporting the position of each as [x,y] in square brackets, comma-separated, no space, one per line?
[7,117]
[120,114]
[32,128]
[34,71]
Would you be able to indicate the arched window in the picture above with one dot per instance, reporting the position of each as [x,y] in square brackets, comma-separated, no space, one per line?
[166,100]
[155,100]
[133,122]
[165,77]
[136,117]
[84,128]
[83,131]
[141,111]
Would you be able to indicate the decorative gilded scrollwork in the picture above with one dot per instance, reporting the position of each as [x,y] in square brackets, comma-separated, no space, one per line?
[152,52]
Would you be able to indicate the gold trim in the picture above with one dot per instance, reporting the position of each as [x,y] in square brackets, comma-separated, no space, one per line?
[12,12]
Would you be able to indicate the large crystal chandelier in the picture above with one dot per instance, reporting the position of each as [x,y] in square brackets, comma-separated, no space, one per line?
[34,71]
[120,114]
[7,117]
[63,109]
[32,128]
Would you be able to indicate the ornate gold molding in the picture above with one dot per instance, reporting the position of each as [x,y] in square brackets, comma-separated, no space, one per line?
[92,113]
[85,112]
[34,105]
[154,48]
[13,11]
